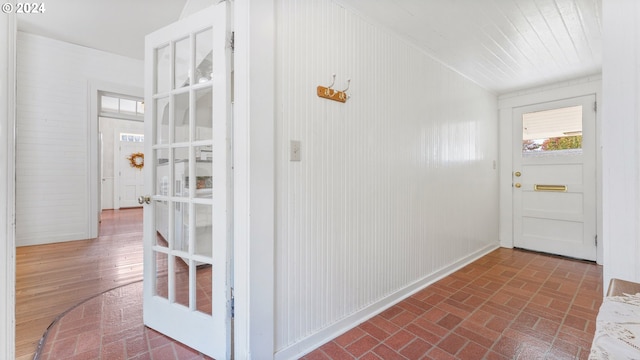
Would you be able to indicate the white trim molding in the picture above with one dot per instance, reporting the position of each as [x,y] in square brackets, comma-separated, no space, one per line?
[7,184]
[254,178]
[95,87]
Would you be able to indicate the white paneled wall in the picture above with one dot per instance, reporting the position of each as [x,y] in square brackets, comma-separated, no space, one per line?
[393,188]
[52,194]
[621,140]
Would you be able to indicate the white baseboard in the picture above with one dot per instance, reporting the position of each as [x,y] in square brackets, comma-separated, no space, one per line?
[29,241]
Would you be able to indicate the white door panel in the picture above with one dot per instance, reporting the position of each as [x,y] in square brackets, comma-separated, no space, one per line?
[554,192]
[130,179]
[187,219]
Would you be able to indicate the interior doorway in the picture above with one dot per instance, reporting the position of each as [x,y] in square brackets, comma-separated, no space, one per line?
[120,124]
[121,143]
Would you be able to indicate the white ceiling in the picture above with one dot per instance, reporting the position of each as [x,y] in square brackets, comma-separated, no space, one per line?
[503,45]
[116,26]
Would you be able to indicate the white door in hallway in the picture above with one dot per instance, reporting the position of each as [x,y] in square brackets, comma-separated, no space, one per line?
[187,214]
[130,177]
[554,177]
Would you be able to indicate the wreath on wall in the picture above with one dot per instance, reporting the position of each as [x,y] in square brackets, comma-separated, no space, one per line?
[136,160]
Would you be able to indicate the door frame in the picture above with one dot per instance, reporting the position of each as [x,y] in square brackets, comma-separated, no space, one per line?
[95,87]
[254,177]
[8,29]
[506,103]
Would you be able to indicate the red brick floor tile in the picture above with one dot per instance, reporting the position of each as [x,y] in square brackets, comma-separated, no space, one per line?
[566,347]
[477,334]
[114,351]
[423,334]
[371,329]
[362,345]
[384,324]
[452,343]
[386,353]
[437,353]
[87,355]
[143,356]
[472,351]
[434,299]
[431,327]
[136,345]
[498,324]
[164,352]
[399,339]
[480,317]
[316,355]
[434,314]
[371,356]
[404,318]
[492,355]
[183,352]
[416,349]
[63,348]
[474,301]
[575,322]
[335,351]
[417,310]
[88,341]
[547,327]
[350,336]
[506,346]
[449,321]
[391,312]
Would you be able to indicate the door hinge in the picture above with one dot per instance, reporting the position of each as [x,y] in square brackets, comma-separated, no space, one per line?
[232,40]
[595,106]
[233,303]
[596,240]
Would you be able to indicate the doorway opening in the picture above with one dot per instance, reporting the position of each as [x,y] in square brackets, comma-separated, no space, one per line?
[554,178]
[121,150]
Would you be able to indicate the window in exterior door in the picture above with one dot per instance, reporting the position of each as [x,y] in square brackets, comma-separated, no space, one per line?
[552,132]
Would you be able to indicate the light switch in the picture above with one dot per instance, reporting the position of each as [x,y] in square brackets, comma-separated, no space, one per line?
[295,150]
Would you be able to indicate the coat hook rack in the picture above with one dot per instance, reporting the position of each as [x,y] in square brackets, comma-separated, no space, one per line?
[330,93]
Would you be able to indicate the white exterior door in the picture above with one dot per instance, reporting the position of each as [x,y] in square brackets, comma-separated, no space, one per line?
[187,217]
[554,177]
[130,176]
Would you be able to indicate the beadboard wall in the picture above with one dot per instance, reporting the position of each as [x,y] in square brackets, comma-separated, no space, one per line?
[394,188]
[52,194]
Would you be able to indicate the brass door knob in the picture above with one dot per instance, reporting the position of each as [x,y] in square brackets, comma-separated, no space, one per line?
[517,174]
[517,185]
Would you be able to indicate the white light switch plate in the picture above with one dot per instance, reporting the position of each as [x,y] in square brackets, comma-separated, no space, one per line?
[294,150]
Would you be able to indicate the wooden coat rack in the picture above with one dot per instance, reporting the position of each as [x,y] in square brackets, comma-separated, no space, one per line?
[330,93]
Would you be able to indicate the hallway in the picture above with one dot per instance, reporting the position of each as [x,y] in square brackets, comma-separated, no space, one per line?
[508,304]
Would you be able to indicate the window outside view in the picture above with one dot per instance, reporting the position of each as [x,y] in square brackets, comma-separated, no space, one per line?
[556,132]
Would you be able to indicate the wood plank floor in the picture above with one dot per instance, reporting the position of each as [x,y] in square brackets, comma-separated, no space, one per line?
[52,278]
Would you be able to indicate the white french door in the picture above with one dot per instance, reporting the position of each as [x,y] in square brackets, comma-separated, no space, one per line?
[187,216]
[554,177]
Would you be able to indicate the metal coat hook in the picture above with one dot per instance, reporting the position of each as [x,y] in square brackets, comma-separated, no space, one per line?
[330,93]
[333,82]
[348,84]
